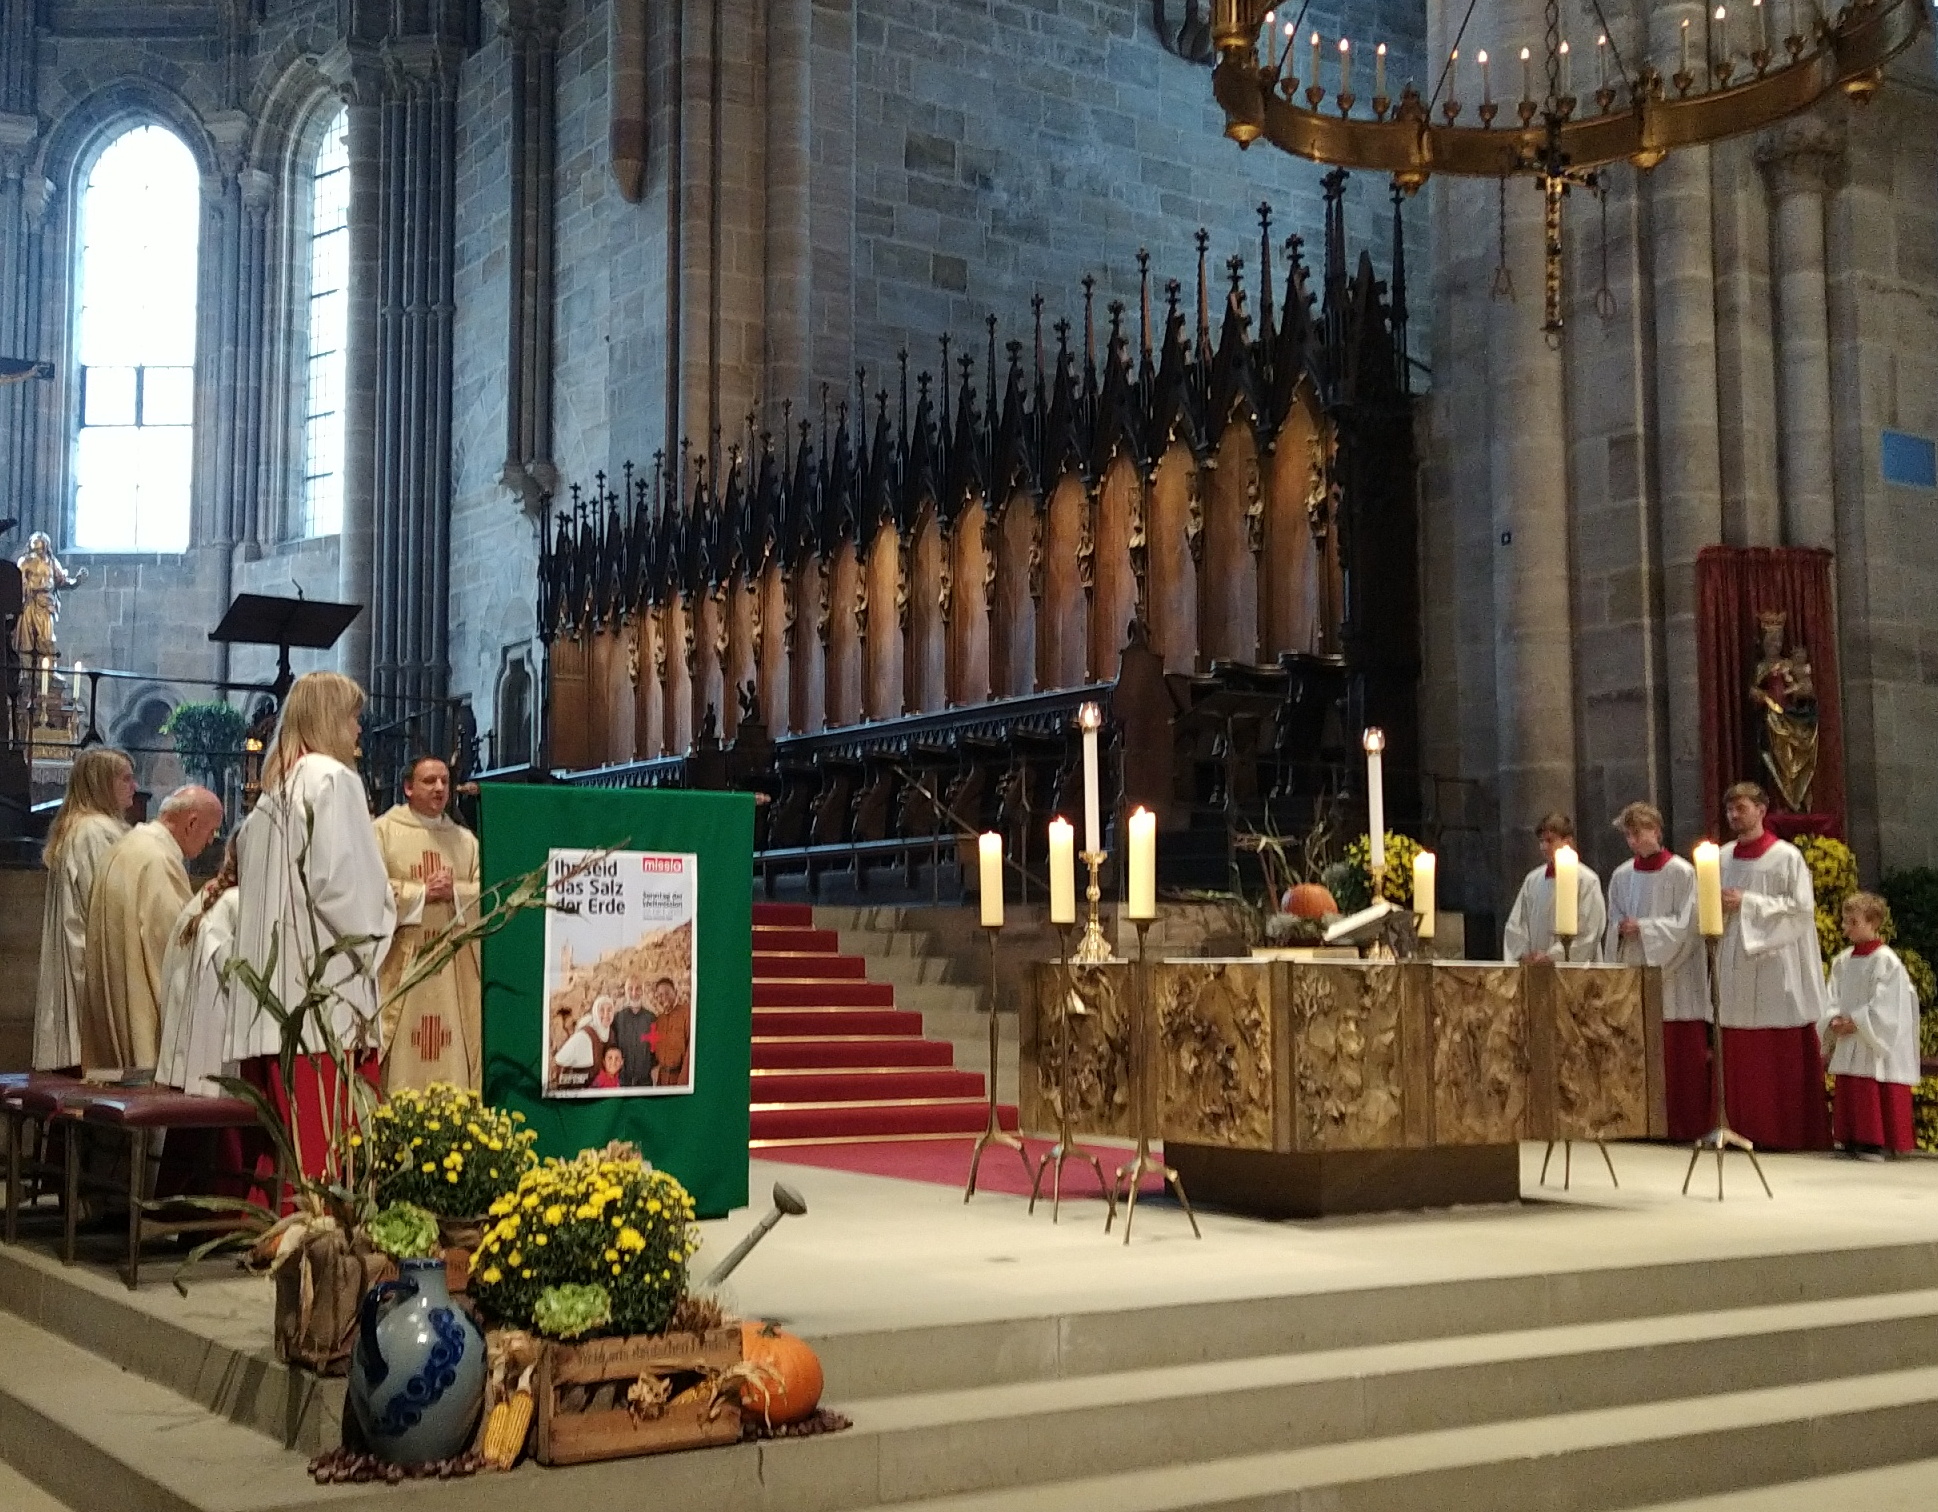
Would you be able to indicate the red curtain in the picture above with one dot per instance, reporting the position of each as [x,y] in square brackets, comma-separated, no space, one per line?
[1735,584]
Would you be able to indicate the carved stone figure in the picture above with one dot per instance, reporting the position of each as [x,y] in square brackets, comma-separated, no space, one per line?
[1783,690]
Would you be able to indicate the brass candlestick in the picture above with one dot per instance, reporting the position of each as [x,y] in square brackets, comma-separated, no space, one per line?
[994,1133]
[1143,1032]
[1066,1147]
[1093,947]
[1722,1139]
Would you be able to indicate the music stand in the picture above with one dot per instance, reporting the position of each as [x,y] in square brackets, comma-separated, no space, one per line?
[261,619]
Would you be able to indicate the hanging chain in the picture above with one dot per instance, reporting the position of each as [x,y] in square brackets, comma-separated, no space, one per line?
[1552,42]
[1604,296]
[1503,279]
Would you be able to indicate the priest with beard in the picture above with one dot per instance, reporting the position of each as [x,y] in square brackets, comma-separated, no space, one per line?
[1652,922]
[434,1033]
[1770,980]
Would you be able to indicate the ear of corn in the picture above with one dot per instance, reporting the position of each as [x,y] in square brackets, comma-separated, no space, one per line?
[505,1434]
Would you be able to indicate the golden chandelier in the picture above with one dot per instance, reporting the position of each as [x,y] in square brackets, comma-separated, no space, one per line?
[1728,80]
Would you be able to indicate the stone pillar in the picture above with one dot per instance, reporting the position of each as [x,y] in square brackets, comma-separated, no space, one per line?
[354,71]
[1798,158]
[1689,461]
[531,29]
[24,407]
[788,269]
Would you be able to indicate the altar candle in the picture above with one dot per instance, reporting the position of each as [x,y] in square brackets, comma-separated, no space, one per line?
[1486,80]
[1374,741]
[1709,890]
[1567,891]
[990,852]
[1143,864]
[1527,74]
[1424,900]
[1379,70]
[1345,66]
[1063,872]
[1090,719]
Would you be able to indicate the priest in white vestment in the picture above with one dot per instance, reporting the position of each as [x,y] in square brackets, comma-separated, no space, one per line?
[195,1007]
[1530,924]
[1872,1032]
[433,1033]
[1770,979]
[138,891]
[1652,922]
[100,790]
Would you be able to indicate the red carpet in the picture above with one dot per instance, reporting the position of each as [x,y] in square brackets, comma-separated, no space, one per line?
[835,1060]
[945,1162]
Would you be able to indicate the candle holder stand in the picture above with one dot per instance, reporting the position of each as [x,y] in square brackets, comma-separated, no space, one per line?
[994,1133]
[1721,1139]
[1143,1034]
[1568,1145]
[1093,947]
[1066,1147]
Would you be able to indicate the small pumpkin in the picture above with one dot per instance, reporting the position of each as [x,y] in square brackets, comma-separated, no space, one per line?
[1309,900]
[787,1386]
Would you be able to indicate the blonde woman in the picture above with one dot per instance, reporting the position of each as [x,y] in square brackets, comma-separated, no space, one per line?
[310,877]
[92,818]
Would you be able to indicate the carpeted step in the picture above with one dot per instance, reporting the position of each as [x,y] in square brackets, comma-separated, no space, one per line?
[812,967]
[865,1084]
[835,1021]
[792,915]
[836,992]
[830,1052]
[775,938]
[876,1120]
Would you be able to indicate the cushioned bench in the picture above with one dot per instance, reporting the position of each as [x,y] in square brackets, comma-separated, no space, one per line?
[30,1102]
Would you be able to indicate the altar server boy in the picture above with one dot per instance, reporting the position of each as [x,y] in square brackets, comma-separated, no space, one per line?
[1872,1032]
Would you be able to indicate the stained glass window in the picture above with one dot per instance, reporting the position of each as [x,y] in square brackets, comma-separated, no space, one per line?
[329,300]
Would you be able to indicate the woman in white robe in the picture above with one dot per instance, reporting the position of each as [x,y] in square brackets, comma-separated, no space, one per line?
[100,789]
[195,1004]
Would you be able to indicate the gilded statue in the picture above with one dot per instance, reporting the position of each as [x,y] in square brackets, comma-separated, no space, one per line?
[41,578]
[1783,691]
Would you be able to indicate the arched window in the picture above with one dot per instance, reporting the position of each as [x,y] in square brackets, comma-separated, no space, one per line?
[135,346]
[329,300]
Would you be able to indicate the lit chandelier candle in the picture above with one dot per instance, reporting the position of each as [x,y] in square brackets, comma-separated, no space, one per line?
[1722,33]
[1090,720]
[1425,900]
[1762,25]
[1567,892]
[1709,889]
[1453,74]
[1063,872]
[1601,61]
[1486,79]
[1379,70]
[1271,40]
[1143,864]
[1567,71]
[1685,46]
[1527,74]
[990,853]
[1374,742]
[1315,60]
[1345,66]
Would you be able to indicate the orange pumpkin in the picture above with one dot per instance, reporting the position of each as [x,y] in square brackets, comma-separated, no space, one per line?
[1310,901]
[788,1386]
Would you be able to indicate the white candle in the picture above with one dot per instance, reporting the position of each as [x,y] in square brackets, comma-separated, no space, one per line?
[1345,66]
[1762,26]
[1143,864]
[1453,75]
[1063,872]
[1685,47]
[1271,40]
[1486,80]
[1424,899]
[1709,890]
[990,852]
[1527,74]
[1722,33]
[1374,741]
[1379,70]
[1315,59]
[1567,71]
[1090,718]
[1601,61]
[1567,892]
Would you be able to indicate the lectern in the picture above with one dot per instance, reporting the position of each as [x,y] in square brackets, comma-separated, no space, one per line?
[260,619]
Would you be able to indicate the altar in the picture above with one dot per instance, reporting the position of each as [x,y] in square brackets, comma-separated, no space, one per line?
[1300,1088]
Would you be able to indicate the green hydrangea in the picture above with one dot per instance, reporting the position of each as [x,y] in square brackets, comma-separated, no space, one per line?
[570,1311]
[404,1231]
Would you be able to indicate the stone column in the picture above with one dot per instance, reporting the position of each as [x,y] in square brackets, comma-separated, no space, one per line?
[1798,158]
[787,273]
[531,29]
[24,407]
[1689,460]
[353,69]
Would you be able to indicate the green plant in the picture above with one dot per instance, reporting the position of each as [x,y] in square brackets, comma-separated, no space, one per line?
[208,737]
[404,1231]
[443,1149]
[595,1218]
[1924,1116]
[1913,896]
[1924,981]
[571,1310]
[1833,871]
[1398,883]
[1350,885]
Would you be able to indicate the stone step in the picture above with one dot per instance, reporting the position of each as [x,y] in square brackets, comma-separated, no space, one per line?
[18,1494]
[905,968]
[1894,1488]
[875,943]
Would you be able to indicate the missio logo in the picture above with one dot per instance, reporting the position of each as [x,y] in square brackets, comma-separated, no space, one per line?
[662,865]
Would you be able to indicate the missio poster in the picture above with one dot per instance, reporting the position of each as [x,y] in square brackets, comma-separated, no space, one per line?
[619,973]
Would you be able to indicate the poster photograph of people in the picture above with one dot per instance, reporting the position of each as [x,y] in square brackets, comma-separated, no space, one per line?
[619,973]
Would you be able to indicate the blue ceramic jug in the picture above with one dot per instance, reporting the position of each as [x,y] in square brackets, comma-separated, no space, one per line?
[417,1374]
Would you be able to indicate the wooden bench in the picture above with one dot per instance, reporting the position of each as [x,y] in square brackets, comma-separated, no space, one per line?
[31,1101]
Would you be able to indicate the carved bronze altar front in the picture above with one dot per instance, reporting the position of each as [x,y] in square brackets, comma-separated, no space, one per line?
[1357,1062]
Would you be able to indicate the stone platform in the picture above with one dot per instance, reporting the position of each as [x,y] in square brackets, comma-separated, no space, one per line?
[1590,1349]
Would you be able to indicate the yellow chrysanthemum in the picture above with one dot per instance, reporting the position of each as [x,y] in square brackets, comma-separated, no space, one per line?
[555,1214]
[493,1276]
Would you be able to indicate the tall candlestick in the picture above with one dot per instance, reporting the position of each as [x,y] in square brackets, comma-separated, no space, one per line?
[1374,742]
[1425,901]
[1345,66]
[1090,720]
[1063,872]
[1379,70]
[1486,79]
[1527,74]
[1315,60]
[1709,889]
[1567,71]
[1567,892]
[990,853]
[1142,903]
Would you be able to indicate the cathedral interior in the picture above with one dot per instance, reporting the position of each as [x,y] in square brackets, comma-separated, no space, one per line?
[826,397]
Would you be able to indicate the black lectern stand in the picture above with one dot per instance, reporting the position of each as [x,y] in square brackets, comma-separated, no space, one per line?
[257,619]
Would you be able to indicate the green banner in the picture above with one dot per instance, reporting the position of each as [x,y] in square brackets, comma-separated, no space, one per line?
[627,1013]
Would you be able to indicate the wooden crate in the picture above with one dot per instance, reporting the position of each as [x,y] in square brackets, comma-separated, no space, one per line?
[581,1389]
